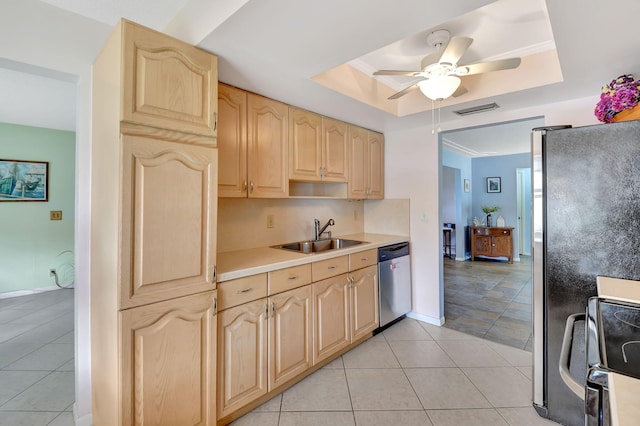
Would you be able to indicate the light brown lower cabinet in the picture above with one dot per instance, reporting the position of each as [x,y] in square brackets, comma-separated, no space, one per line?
[346,309]
[262,345]
[168,362]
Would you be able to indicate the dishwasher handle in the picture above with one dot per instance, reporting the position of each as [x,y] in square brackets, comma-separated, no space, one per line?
[565,354]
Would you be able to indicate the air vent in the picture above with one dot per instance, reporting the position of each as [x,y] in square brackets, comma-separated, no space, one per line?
[477,109]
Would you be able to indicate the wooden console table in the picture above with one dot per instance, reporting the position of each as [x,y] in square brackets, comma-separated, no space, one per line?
[492,242]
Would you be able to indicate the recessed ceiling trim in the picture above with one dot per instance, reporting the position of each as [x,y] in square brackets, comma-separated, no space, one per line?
[477,109]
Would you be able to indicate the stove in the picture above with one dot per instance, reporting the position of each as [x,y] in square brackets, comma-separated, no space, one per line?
[612,346]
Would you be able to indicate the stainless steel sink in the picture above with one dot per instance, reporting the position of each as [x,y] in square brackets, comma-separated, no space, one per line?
[310,246]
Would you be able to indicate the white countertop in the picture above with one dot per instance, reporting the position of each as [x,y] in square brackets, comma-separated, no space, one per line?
[242,263]
[624,397]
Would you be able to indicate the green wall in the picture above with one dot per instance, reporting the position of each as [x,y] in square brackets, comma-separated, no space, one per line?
[31,243]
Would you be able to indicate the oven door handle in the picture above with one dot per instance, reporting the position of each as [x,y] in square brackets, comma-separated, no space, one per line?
[565,353]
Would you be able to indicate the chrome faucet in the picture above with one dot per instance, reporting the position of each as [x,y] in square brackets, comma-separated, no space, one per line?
[319,231]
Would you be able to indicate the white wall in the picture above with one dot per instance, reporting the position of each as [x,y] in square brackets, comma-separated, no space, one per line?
[412,170]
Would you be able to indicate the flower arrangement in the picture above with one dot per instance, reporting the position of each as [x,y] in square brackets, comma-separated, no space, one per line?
[622,93]
[490,209]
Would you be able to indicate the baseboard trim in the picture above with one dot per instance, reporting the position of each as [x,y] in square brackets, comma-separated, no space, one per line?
[17,293]
[426,318]
[86,420]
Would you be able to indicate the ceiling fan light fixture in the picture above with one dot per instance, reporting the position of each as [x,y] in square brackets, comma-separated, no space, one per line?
[439,87]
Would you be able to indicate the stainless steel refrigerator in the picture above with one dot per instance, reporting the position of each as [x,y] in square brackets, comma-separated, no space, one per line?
[586,222]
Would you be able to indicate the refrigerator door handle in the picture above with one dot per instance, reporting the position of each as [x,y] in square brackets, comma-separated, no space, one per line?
[565,354]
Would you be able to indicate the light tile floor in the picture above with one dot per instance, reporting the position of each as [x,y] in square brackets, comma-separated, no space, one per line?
[412,374]
[36,359]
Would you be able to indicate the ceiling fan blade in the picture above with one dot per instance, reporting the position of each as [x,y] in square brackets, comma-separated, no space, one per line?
[461,90]
[403,92]
[456,47]
[396,72]
[500,64]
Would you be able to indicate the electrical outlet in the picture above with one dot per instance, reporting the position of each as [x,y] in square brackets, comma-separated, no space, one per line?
[55,214]
[269,221]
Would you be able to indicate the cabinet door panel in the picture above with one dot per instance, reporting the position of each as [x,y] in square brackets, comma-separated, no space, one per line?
[267,148]
[364,302]
[290,332]
[376,166]
[232,142]
[167,83]
[168,362]
[335,144]
[358,142]
[482,245]
[169,220]
[305,145]
[242,356]
[331,316]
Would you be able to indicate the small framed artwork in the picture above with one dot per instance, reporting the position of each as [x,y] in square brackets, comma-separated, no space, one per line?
[467,185]
[24,180]
[494,184]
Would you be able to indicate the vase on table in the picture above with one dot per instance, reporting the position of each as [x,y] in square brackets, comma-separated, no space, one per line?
[489,220]
[627,114]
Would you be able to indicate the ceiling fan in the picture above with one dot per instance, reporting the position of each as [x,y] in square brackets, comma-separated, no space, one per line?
[440,71]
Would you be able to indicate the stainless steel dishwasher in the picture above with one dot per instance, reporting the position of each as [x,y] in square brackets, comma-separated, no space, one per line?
[394,281]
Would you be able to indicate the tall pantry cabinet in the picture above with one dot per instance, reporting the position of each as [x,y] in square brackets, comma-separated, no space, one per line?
[153,231]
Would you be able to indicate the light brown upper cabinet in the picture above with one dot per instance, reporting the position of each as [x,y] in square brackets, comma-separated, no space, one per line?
[366,179]
[168,84]
[253,145]
[318,147]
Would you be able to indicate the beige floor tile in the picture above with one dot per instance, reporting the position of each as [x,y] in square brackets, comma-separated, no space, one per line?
[475,417]
[420,353]
[472,353]
[257,418]
[27,418]
[445,388]
[386,418]
[273,405]
[64,419]
[48,357]
[515,357]
[54,392]
[13,383]
[502,386]
[11,352]
[524,416]
[326,390]
[327,418]
[443,333]
[336,363]
[381,389]
[407,329]
[371,354]
[527,371]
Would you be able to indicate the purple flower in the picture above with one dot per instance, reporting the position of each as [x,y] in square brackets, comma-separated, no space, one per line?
[622,93]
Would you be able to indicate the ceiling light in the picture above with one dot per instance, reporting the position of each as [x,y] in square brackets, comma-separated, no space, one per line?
[439,87]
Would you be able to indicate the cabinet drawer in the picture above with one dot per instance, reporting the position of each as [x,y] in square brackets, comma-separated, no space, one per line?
[329,268]
[236,292]
[363,259]
[289,278]
[481,231]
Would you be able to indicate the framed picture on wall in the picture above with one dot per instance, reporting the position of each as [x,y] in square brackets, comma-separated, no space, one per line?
[24,180]
[467,185]
[494,184]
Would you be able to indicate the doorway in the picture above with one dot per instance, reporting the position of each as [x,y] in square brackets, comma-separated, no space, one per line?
[489,297]
[37,336]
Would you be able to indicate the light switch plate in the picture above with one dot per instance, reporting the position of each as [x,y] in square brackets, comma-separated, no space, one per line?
[55,214]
